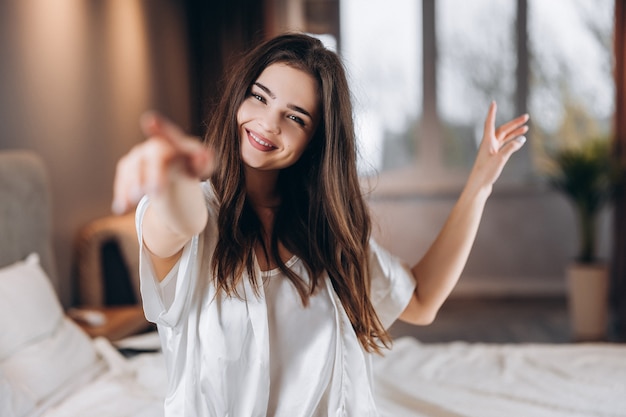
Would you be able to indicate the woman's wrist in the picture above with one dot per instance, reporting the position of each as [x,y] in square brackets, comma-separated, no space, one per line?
[181,205]
[476,190]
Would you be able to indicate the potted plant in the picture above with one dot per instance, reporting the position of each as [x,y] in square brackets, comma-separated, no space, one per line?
[585,175]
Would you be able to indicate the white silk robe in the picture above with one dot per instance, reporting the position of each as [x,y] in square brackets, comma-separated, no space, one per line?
[265,355]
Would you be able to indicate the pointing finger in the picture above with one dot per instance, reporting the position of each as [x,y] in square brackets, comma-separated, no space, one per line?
[154,124]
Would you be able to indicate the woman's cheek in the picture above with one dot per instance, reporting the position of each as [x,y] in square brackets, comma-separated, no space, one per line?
[240,115]
[247,111]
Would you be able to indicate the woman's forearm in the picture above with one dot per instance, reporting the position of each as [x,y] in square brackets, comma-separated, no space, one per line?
[175,214]
[440,268]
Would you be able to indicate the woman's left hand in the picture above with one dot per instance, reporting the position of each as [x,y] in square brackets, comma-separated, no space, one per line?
[496,148]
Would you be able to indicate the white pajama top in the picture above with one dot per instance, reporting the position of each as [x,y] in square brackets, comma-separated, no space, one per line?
[265,355]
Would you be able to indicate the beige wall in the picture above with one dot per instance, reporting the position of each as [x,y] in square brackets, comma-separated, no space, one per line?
[74,78]
[526,239]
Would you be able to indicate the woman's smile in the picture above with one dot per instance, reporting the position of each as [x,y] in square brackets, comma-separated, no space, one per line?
[260,142]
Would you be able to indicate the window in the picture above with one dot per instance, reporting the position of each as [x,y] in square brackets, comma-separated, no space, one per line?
[476,64]
[572,90]
[550,58]
[381,47]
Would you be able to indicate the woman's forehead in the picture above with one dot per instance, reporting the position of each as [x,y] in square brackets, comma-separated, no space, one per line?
[288,83]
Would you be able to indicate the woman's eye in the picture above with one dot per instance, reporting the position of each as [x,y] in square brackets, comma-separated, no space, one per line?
[258,97]
[296,119]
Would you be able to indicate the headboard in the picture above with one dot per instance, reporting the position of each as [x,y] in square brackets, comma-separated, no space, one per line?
[25,210]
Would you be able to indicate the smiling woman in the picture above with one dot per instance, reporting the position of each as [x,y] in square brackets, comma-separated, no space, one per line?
[256,251]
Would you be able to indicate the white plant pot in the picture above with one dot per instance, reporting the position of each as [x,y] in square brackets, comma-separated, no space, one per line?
[588,286]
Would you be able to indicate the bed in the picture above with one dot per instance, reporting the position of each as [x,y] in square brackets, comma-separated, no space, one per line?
[49,367]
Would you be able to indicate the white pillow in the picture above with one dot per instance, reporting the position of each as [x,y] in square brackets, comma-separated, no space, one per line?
[41,351]
[13,402]
[28,305]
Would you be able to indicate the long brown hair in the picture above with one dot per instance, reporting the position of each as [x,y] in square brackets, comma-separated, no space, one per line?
[323,218]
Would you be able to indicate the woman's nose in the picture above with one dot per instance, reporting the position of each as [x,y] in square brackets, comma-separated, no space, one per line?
[270,121]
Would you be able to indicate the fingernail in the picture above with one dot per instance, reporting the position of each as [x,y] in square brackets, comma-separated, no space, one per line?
[521,139]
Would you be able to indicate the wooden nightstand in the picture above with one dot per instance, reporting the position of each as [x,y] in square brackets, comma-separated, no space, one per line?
[117,322]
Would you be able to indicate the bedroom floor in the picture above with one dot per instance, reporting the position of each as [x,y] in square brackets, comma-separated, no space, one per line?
[495,320]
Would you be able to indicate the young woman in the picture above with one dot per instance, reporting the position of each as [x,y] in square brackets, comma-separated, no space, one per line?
[256,258]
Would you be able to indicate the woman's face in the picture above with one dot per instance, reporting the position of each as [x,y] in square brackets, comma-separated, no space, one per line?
[278,117]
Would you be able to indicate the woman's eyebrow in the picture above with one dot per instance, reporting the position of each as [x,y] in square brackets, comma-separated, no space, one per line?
[264,88]
[290,106]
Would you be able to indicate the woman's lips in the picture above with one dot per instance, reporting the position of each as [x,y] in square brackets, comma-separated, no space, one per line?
[259,142]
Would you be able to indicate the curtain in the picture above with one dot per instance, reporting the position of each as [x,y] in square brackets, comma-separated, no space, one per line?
[618,275]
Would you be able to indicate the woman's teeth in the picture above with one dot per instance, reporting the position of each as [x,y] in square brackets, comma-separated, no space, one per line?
[262,142]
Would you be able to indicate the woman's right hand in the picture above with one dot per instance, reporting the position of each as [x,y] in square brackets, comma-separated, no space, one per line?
[151,166]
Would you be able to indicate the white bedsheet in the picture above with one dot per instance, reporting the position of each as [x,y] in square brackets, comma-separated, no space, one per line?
[128,388]
[480,380]
[413,380]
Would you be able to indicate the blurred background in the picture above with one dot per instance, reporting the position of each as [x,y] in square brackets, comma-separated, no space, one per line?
[75,75]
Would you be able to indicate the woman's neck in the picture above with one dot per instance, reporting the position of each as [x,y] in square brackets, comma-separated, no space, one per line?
[261,189]
[263,196]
